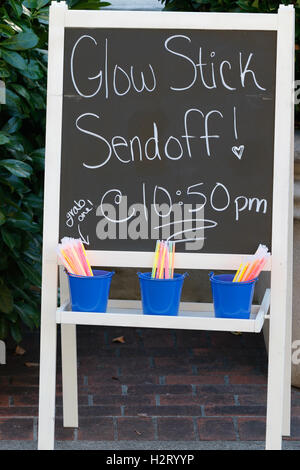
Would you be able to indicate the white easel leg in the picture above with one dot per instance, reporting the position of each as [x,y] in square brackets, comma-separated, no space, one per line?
[286,425]
[68,361]
[275,394]
[286,422]
[281,275]
[69,375]
[47,390]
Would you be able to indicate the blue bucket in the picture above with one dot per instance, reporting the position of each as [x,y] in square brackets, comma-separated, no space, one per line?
[90,293]
[161,296]
[231,299]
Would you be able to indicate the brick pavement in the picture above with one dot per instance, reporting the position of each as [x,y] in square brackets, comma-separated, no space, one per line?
[159,385]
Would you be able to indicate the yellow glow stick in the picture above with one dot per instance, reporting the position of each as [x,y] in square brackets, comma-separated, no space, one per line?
[162,263]
[155,258]
[242,273]
[65,263]
[87,261]
[68,260]
[237,273]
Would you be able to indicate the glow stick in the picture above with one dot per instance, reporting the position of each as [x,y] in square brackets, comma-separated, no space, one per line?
[161,247]
[242,273]
[86,258]
[237,273]
[68,260]
[167,262]
[251,270]
[162,262]
[173,260]
[79,267]
[72,251]
[170,258]
[155,258]
[248,270]
[79,248]
[65,262]
[259,267]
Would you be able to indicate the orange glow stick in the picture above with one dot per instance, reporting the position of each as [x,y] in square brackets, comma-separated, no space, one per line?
[161,247]
[252,270]
[78,245]
[69,261]
[162,262]
[65,263]
[258,269]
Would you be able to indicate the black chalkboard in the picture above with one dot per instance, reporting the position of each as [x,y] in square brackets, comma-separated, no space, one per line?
[162,126]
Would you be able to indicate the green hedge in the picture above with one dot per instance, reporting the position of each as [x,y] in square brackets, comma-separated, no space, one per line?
[23,68]
[256,6]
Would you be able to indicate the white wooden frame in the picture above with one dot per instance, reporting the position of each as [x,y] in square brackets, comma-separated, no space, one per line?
[192,316]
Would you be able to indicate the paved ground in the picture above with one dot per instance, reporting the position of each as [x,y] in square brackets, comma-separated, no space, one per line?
[160,389]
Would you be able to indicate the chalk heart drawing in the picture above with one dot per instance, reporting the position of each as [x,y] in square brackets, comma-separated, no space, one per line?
[238,151]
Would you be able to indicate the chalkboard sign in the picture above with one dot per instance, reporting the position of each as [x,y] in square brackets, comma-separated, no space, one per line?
[168,134]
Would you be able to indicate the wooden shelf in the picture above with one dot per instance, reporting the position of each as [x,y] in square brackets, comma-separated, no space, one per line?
[192,316]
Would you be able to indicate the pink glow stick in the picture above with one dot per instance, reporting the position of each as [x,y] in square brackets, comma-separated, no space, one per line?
[259,268]
[161,249]
[79,249]
[256,270]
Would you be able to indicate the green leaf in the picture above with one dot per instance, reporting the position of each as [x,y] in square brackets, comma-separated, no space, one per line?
[30,3]
[34,201]
[16,7]
[6,30]
[16,184]
[38,157]
[6,299]
[41,3]
[8,238]
[14,102]
[12,125]
[32,275]
[13,58]
[4,139]
[32,70]
[37,100]
[21,41]
[17,168]
[23,224]
[21,90]
[43,15]
[89,5]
